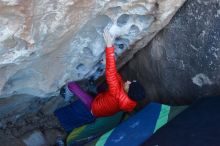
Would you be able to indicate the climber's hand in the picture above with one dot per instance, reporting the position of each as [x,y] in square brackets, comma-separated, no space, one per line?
[109,39]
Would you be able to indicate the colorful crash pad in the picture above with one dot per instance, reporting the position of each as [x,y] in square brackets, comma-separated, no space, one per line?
[85,133]
[136,129]
[74,115]
[196,126]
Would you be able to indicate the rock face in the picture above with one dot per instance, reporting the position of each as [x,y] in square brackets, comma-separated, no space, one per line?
[10,140]
[35,138]
[44,43]
[183,60]
[39,128]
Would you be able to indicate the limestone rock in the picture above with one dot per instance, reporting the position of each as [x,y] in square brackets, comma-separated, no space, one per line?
[51,105]
[16,106]
[51,136]
[44,43]
[35,138]
[8,140]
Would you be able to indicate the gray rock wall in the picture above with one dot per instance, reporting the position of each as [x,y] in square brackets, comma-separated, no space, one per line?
[44,44]
[183,61]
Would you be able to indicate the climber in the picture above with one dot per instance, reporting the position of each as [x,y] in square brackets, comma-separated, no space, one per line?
[120,96]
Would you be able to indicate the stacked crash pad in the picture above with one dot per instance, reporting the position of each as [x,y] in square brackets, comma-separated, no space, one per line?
[196,126]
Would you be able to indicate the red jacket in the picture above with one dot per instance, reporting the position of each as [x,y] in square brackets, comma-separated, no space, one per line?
[115,98]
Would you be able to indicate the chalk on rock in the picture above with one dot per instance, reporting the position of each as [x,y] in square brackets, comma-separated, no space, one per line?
[57,34]
[35,138]
[81,67]
[134,30]
[115,10]
[144,21]
[87,52]
[121,44]
[123,19]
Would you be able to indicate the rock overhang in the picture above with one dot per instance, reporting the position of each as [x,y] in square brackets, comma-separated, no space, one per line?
[45,44]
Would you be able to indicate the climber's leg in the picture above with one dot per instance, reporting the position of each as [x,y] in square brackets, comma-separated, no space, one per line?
[77,113]
[80,93]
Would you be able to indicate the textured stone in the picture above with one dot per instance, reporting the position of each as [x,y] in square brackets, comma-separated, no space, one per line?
[7,140]
[16,106]
[45,43]
[35,138]
[51,136]
[183,60]
[31,122]
[51,105]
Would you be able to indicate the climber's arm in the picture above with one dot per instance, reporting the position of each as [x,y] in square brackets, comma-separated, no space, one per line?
[111,70]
